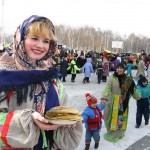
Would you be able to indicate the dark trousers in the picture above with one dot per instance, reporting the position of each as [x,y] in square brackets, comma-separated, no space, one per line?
[99,78]
[89,134]
[142,109]
[63,78]
[73,77]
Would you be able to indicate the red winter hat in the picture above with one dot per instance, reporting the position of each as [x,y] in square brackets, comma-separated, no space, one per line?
[90,99]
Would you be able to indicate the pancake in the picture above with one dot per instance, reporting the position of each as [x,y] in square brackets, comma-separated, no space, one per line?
[63,113]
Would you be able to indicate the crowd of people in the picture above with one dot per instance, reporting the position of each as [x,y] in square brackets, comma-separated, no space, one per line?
[102,63]
[31,85]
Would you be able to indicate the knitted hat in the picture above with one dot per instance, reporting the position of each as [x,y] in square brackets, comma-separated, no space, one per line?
[90,99]
[141,79]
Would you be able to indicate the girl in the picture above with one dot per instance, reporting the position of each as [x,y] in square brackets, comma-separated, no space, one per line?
[29,88]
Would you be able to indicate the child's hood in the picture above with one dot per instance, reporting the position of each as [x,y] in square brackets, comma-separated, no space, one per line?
[88,60]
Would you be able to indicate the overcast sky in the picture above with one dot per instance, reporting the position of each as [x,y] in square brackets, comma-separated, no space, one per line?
[120,16]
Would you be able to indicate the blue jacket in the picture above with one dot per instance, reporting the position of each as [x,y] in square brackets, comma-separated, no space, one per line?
[88,112]
[144,91]
[88,68]
[129,67]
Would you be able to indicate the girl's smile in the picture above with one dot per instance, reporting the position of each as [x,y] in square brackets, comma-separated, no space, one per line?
[36,47]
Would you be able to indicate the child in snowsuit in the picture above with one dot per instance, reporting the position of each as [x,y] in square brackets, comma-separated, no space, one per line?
[143,104]
[99,71]
[73,68]
[92,117]
[87,69]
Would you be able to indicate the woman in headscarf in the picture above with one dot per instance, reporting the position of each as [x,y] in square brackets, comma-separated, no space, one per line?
[29,87]
[117,93]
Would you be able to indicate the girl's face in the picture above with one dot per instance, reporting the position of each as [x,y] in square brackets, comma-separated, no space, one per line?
[120,70]
[36,47]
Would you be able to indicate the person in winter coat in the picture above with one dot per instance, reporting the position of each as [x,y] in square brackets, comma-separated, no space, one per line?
[118,90]
[92,117]
[115,63]
[105,65]
[87,69]
[73,68]
[143,105]
[29,87]
[141,67]
[63,69]
[99,71]
[129,67]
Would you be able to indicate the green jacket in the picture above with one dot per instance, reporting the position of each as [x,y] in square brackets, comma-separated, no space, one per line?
[73,67]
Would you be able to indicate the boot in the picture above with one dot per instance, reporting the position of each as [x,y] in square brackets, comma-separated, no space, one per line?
[146,122]
[96,145]
[137,126]
[87,146]
[84,81]
[64,80]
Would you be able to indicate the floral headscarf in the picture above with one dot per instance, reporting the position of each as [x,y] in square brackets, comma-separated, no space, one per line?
[20,55]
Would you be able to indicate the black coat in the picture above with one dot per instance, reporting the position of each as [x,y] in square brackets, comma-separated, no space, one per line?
[99,70]
[63,68]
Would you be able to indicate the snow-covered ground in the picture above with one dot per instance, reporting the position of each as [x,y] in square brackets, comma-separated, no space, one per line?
[76,92]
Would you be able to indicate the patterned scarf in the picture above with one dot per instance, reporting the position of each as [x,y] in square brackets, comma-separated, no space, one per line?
[20,80]
[20,55]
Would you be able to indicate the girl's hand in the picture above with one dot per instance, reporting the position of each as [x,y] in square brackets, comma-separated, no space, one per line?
[42,123]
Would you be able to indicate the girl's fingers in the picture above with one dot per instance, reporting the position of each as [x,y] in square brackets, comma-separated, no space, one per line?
[46,126]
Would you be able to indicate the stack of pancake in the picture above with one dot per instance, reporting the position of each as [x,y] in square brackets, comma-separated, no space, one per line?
[63,113]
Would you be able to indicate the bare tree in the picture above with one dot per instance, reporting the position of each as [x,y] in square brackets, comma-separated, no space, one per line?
[89,38]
